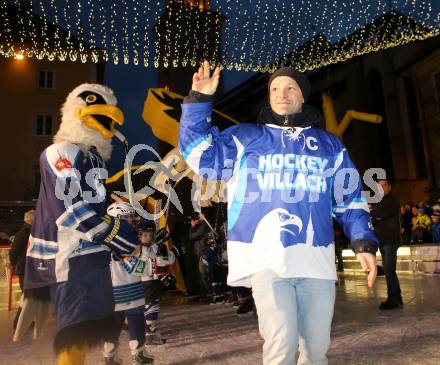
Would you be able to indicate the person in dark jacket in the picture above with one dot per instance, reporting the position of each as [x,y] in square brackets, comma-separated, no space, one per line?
[386,221]
[197,234]
[405,223]
[17,254]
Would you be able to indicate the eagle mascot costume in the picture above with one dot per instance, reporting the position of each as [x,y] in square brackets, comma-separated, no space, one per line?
[72,238]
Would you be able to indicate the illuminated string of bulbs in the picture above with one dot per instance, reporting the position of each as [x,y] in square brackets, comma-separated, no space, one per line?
[263,42]
[126,38]
[114,34]
[256,34]
[235,39]
[92,32]
[83,56]
[246,27]
[6,45]
[61,52]
[103,29]
[146,30]
[226,38]
[186,16]
[72,53]
[136,35]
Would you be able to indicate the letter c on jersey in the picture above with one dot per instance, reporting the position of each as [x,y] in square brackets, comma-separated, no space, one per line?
[310,146]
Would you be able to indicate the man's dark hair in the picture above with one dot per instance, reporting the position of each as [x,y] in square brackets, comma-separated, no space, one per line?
[388,181]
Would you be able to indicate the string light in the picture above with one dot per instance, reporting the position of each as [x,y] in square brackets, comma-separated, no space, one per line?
[71,47]
[6,45]
[80,31]
[146,45]
[226,37]
[125,27]
[217,38]
[157,43]
[136,32]
[194,60]
[257,35]
[263,41]
[235,41]
[22,30]
[270,55]
[246,27]
[167,45]
[61,52]
[102,19]
[186,16]
[92,32]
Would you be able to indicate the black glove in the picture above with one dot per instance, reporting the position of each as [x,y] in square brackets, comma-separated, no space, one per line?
[168,280]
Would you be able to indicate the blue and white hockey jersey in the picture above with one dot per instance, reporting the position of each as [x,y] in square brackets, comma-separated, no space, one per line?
[126,278]
[284,187]
[65,250]
[129,272]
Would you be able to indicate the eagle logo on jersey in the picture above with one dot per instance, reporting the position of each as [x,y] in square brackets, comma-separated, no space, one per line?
[278,223]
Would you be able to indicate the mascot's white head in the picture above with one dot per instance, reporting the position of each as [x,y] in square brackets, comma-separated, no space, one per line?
[88,117]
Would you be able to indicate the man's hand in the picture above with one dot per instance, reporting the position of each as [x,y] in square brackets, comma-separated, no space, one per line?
[368,263]
[203,83]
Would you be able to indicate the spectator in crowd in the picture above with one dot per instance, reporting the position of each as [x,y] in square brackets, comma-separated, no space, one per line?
[405,223]
[421,225]
[245,301]
[436,223]
[213,268]
[197,233]
[17,254]
[386,221]
[414,212]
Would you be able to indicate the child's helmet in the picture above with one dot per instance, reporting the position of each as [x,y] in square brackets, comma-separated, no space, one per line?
[119,209]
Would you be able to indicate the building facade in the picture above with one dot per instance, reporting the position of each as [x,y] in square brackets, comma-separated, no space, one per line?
[31,94]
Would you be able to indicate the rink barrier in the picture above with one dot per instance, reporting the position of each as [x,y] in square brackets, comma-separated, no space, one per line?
[410,258]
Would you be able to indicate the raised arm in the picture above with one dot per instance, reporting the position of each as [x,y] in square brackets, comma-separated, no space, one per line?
[207,151]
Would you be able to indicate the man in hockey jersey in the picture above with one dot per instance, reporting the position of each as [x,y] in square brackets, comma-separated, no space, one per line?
[286,179]
[71,238]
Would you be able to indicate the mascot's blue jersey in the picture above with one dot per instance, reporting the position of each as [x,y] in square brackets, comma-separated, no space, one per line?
[66,185]
[284,187]
[62,252]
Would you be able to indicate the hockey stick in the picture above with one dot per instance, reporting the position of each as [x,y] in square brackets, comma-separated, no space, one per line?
[124,141]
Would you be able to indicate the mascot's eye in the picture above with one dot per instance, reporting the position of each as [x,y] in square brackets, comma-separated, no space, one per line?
[91,99]
[283,217]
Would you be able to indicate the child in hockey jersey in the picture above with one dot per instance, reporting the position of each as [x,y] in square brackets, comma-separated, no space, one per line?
[129,297]
[211,259]
[158,258]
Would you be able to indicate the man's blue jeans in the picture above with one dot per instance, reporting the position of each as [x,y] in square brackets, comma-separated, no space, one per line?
[292,311]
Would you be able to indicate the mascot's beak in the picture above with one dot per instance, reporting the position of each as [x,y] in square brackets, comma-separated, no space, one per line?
[101,117]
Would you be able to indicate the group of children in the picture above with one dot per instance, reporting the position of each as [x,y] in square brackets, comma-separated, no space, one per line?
[136,283]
